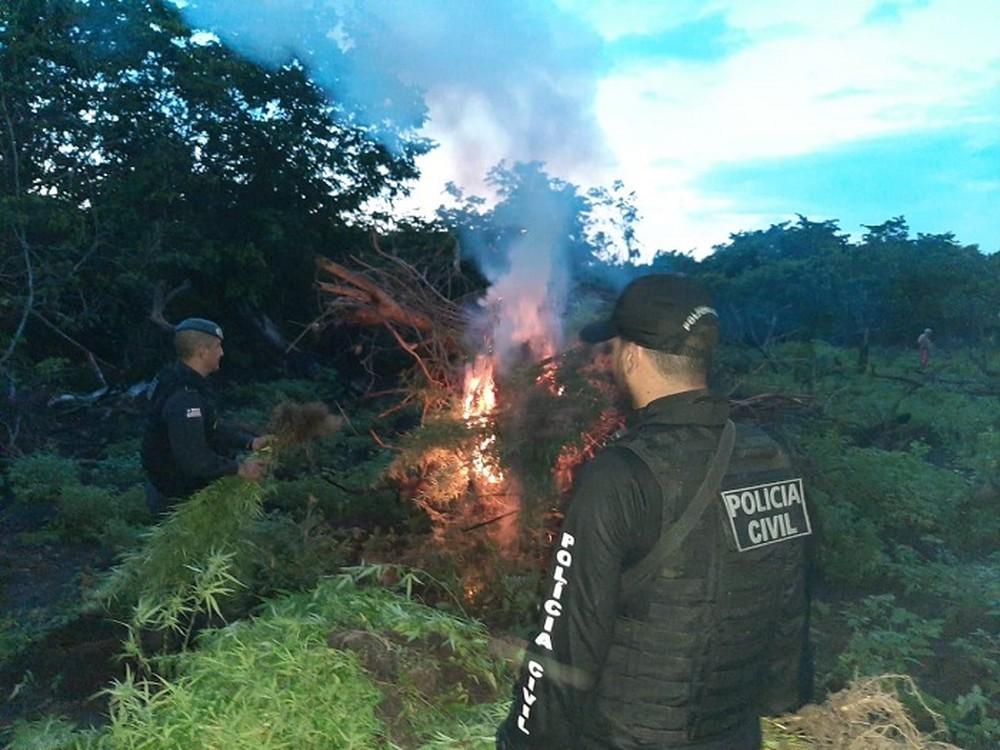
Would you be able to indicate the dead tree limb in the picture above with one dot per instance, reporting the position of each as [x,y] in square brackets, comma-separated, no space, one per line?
[29,303]
[18,231]
[162,298]
[401,299]
[94,359]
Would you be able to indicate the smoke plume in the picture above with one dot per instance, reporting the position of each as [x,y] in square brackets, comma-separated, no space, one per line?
[512,81]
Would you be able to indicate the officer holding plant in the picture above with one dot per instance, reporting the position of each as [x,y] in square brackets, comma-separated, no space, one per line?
[185,446]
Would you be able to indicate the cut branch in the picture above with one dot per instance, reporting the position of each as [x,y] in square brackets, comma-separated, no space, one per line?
[369,294]
[29,303]
[400,299]
[162,298]
[69,339]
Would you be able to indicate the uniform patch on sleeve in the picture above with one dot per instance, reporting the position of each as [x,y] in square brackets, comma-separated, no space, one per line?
[194,413]
[767,513]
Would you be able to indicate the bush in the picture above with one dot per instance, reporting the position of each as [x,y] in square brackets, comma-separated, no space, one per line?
[886,637]
[84,510]
[867,499]
[41,477]
[118,470]
[52,733]
[289,555]
[346,503]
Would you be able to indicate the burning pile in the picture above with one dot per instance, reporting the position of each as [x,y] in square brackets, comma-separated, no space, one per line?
[503,425]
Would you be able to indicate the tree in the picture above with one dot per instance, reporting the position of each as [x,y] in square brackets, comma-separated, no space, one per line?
[133,154]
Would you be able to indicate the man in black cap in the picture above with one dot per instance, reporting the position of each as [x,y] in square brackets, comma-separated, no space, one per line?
[675,614]
[184,445]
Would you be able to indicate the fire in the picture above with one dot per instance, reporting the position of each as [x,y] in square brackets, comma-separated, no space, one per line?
[573,454]
[478,404]
[547,377]
[480,398]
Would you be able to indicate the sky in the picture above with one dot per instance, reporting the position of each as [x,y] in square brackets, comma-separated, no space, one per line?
[721,115]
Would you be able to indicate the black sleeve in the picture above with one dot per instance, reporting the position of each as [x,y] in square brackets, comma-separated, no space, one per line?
[231,439]
[186,430]
[791,669]
[558,677]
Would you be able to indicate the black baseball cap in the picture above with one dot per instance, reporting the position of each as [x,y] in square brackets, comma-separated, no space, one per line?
[199,324]
[658,311]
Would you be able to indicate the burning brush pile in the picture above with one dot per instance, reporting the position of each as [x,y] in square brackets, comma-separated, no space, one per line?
[506,416]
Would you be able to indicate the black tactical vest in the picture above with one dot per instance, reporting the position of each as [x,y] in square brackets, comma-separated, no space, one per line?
[157,458]
[690,653]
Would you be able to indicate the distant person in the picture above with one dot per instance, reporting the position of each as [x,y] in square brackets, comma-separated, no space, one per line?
[924,346]
[184,445]
[675,613]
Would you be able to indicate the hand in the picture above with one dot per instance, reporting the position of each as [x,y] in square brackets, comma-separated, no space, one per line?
[262,442]
[252,470]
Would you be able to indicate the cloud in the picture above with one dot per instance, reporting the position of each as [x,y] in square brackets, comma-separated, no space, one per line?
[806,80]
[517,75]
[937,177]
[661,95]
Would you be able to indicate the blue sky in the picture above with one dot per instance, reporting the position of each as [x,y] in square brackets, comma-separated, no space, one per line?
[722,115]
[733,115]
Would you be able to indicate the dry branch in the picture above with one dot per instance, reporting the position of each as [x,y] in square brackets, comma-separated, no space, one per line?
[363,291]
[867,715]
[162,298]
[398,298]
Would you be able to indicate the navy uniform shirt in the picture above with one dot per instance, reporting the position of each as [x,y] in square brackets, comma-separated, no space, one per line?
[185,445]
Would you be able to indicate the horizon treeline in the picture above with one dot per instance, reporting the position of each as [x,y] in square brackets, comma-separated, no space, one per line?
[144,175]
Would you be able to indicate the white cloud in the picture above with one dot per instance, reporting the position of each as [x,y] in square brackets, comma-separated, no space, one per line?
[832,81]
[614,19]
[808,77]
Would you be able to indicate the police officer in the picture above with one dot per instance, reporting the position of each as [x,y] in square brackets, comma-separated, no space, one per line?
[184,445]
[675,614]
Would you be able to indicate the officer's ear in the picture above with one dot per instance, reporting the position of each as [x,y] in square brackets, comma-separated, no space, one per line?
[631,354]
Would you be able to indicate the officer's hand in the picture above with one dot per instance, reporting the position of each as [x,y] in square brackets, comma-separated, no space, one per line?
[259,443]
[251,470]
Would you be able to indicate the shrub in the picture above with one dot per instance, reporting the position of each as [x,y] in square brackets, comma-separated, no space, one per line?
[885,637]
[41,477]
[342,500]
[52,733]
[118,471]
[289,555]
[84,509]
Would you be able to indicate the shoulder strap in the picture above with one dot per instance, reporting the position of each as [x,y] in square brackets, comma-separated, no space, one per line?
[672,538]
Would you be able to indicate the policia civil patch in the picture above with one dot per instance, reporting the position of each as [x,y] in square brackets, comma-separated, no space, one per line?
[767,513]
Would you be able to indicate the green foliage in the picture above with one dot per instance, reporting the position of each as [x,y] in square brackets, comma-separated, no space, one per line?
[343,499]
[18,632]
[214,521]
[84,508]
[886,637]
[866,497]
[805,279]
[972,716]
[166,140]
[290,555]
[51,733]
[119,469]
[83,511]
[41,477]
[276,681]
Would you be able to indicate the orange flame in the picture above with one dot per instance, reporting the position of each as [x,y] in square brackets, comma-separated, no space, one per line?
[478,404]
[547,377]
[573,454]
